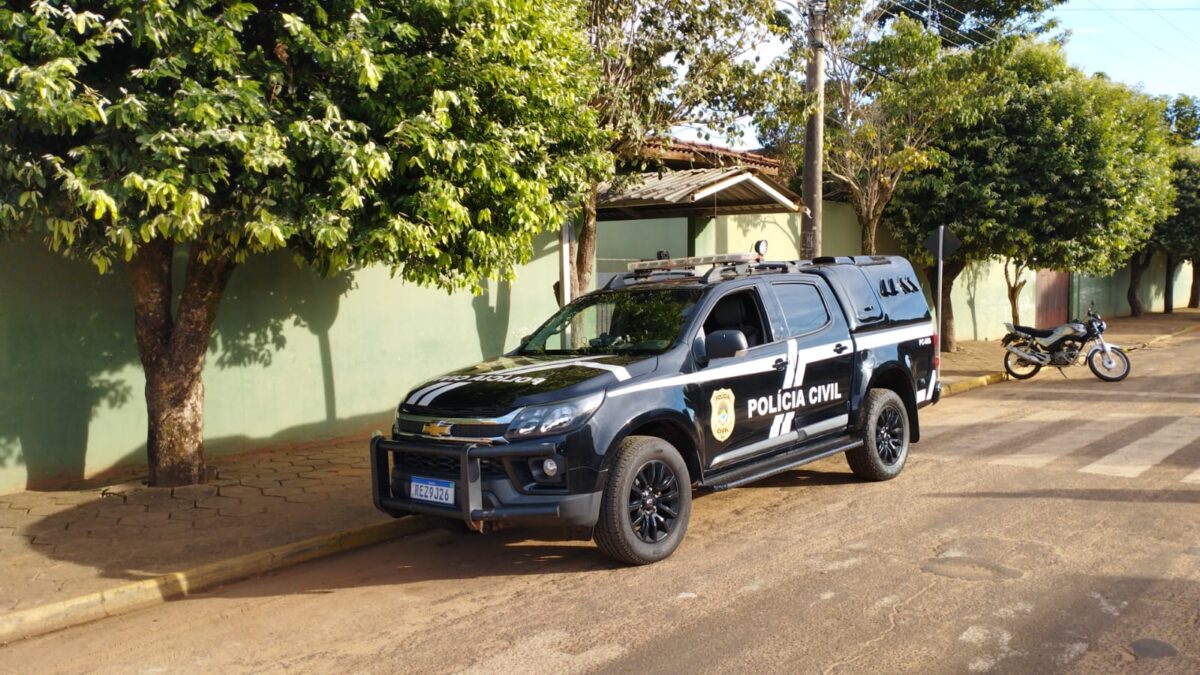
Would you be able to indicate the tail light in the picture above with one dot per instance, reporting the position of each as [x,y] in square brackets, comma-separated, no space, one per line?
[937,352]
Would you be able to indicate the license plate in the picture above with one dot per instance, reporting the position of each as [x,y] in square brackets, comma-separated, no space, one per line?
[431,490]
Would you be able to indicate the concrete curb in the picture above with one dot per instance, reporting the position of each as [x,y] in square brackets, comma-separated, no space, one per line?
[149,592]
[967,384]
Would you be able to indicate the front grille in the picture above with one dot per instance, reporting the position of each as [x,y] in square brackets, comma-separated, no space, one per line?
[421,463]
[410,426]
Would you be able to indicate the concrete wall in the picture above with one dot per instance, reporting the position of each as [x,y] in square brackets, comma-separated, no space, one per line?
[294,357]
[1108,294]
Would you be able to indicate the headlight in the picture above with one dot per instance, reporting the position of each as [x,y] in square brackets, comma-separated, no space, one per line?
[556,418]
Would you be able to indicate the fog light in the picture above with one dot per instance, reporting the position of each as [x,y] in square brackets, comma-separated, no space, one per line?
[550,468]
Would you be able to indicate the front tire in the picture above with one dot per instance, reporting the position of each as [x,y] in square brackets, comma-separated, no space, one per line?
[646,504]
[1019,368]
[1120,365]
[885,434]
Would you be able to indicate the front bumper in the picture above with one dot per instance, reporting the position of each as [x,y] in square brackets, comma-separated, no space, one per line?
[479,499]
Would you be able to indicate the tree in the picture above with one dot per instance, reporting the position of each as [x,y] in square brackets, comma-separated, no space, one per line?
[664,64]
[1052,169]
[436,138]
[971,22]
[887,99]
[1179,235]
[1183,117]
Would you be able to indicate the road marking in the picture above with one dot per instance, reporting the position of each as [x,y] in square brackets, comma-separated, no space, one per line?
[1059,443]
[1137,457]
[1193,477]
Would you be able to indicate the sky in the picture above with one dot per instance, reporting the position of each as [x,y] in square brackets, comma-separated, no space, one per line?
[1150,44]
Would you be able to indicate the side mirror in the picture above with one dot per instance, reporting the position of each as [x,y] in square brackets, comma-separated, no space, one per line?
[723,344]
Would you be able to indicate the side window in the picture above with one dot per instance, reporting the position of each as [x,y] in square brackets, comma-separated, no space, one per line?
[742,311]
[803,308]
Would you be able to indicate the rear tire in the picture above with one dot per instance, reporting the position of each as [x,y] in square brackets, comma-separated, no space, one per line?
[1120,368]
[885,434]
[646,504]
[1019,368]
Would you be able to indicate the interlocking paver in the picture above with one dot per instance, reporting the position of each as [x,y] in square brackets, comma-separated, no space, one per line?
[217,503]
[242,510]
[143,519]
[195,491]
[240,491]
[282,491]
[308,497]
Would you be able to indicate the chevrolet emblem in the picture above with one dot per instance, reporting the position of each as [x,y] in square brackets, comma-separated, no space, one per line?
[436,429]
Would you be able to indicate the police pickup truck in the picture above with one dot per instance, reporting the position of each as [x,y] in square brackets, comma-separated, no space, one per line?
[706,372]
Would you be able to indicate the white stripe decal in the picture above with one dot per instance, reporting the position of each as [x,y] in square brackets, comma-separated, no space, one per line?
[416,395]
[788,419]
[893,336]
[434,394]
[621,373]
[760,365]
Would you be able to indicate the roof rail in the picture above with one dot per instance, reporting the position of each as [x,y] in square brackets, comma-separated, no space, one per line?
[630,278]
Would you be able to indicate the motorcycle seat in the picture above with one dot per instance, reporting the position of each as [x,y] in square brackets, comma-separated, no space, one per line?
[1035,332]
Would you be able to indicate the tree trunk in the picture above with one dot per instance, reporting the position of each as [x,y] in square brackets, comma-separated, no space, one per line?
[1015,285]
[1137,265]
[585,247]
[1194,298]
[1169,284]
[946,333]
[172,351]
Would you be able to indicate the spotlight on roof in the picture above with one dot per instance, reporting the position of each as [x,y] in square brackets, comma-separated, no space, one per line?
[760,247]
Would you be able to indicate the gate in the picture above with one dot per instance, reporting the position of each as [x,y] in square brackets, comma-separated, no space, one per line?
[1053,298]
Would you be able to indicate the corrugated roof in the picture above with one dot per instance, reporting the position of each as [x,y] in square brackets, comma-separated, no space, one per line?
[732,189]
[698,155]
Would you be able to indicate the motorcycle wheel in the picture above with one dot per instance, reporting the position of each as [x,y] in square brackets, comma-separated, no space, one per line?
[1018,367]
[1119,369]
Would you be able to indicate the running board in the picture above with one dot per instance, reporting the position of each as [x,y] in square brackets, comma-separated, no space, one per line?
[776,464]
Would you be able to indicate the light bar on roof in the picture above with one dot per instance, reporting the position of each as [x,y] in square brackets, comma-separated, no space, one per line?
[723,259]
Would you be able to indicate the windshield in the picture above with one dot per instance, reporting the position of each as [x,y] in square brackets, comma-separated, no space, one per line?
[645,321]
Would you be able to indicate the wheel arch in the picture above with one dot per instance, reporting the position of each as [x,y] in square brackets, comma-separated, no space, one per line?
[898,380]
[669,426]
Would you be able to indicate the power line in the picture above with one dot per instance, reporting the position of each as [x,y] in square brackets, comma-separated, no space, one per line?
[1162,18]
[888,12]
[1139,35]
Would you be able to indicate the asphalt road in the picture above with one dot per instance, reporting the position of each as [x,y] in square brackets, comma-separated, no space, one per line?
[1044,526]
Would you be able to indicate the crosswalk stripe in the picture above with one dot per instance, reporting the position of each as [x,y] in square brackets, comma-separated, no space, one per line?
[1137,457]
[1058,444]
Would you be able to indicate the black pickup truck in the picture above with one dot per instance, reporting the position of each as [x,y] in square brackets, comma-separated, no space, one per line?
[706,372]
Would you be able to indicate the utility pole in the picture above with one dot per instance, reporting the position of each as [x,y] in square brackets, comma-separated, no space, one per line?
[814,135]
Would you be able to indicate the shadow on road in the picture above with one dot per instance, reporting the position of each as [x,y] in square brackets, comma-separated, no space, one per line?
[1090,494]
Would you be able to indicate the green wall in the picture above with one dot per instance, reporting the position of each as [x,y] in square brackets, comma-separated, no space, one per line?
[293,357]
[1108,294]
[619,242]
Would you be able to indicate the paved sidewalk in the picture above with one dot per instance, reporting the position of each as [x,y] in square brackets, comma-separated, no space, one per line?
[976,358]
[60,545]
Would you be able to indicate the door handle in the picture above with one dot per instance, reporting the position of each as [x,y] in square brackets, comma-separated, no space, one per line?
[840,348]
[780,364]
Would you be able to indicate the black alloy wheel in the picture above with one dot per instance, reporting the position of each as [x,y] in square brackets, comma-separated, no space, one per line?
[646,502]
[890,435]
[654,502]
[885,436]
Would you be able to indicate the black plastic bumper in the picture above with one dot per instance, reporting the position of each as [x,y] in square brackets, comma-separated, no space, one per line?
[479,499]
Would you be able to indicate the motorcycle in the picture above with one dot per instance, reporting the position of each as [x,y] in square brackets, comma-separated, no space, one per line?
[1028,349]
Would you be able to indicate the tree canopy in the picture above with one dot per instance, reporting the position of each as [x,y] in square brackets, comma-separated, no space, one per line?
[1055,170]
[437,137]
[434,137]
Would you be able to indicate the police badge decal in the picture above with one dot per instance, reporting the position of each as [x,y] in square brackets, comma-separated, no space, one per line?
[722,414]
